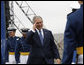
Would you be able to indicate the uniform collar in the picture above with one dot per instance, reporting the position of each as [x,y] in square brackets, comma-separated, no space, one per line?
[12,37]
[38,30]
[81,5]
[41,32]
[23,37]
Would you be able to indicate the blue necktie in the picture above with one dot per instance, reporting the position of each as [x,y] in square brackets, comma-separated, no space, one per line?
[41,38]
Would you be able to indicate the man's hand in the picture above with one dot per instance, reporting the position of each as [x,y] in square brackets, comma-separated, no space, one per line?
[34,27]
[58,61]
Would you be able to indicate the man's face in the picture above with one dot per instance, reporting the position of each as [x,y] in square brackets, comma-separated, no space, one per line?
[38,23]
[12,33]
[24,34]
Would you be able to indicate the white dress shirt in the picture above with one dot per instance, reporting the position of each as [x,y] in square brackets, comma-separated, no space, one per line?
[41,32]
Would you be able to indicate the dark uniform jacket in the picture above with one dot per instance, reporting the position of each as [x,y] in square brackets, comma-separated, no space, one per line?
[22,46]
[10,46]
[73,36]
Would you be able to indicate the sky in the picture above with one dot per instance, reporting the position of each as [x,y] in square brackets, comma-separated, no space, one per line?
[54,14]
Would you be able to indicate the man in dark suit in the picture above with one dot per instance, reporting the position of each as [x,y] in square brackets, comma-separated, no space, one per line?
[44,50]
[73,36]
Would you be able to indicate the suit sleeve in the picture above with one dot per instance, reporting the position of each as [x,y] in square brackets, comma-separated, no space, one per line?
[54,48]
[29,37]
[69,43]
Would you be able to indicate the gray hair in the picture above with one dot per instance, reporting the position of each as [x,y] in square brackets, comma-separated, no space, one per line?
[37,17]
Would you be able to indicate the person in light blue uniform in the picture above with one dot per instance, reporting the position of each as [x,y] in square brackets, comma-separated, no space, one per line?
[23,49]
[10,46]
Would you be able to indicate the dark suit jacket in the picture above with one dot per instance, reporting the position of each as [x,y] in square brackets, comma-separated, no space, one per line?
[73,36]
[48,51]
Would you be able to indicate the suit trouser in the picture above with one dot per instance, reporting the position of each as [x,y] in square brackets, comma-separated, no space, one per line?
[23,59]
[11,59]
[36,60]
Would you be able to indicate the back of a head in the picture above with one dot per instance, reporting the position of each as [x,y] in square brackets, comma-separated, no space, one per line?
[80,2]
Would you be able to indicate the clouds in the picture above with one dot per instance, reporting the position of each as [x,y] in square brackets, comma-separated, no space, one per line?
[54,14]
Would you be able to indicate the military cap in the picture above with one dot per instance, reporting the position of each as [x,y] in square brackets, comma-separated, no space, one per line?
[24,30]
[11,29]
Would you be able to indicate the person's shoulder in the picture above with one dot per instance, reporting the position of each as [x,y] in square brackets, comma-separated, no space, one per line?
[69,14]
[21,38]
[46,30]
[17,38]
[74,14]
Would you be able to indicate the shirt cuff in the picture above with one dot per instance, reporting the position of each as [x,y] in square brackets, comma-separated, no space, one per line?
[32,30]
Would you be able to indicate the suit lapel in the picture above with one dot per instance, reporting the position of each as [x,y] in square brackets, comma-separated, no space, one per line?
[37,38]
[45,36]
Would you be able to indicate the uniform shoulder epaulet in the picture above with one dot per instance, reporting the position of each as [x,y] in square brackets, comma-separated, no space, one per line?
[17,38]
[69,13]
